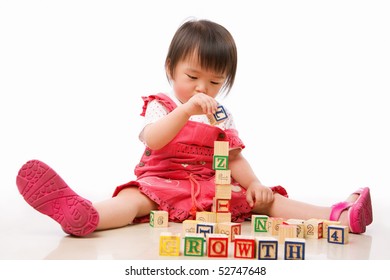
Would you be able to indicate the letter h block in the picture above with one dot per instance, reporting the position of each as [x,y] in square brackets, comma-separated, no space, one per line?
[217,245]
[244,247]
[294,249]
[267,248]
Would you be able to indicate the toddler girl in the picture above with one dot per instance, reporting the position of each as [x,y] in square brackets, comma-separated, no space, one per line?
[175,171]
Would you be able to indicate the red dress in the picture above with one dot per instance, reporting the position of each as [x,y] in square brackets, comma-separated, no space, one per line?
[179,177]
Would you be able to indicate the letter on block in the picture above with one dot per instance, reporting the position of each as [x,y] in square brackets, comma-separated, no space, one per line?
[169,244]
[158,219]
[217,245]
[294,249]
[189,226]
[206,228]
[259,223]
[300,226]
[221,205]
[313,228]
[327,223]
[223,177]
[220,162]
[205,216]
[223,191]
[338,234]
[244,247]
[219,115]
[230,229]
[273,225]
[194,245]
[267,248]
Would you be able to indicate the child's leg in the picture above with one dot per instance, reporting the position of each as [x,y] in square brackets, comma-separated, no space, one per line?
[121,210]
[357,213]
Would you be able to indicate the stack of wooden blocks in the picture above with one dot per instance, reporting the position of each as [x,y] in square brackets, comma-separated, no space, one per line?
[215,229]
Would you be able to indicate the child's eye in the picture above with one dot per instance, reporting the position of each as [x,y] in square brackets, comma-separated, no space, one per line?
[191,77]
[215,83]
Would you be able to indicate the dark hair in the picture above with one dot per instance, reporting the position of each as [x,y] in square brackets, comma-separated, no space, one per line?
[213,44]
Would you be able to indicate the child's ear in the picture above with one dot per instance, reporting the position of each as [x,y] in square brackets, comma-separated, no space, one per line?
[167,69]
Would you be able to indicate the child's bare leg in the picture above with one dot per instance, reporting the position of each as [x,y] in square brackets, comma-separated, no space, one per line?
[287,208]
[121,210]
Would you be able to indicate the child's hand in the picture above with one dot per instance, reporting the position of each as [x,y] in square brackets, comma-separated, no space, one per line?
[200,104]
[258,194]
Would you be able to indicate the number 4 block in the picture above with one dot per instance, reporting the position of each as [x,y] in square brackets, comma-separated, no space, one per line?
[338,234]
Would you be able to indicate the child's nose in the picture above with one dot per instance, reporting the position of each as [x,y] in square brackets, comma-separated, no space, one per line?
[201,87]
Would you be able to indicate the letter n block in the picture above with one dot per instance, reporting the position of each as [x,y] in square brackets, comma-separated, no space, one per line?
[267,248]
[338,234]
[194,245]
[244,247]
[294,249]
[169,244]
[217,245]
[259,223]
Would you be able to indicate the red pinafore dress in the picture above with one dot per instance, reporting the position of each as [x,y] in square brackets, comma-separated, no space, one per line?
[179,177]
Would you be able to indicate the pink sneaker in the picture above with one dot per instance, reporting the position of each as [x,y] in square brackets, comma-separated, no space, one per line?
[45,191]
[359,212]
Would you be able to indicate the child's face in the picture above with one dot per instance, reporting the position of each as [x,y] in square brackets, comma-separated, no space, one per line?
[189,79]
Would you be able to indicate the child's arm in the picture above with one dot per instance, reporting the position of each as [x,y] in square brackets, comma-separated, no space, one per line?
[157,135]
[242,172]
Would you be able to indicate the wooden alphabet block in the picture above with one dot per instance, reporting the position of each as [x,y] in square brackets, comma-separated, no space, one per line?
[221,205]
[327,223]
[217,245]
[220,162]
[223,177]
[218,116]
[338,234]
[313,228]
[259,223]
[244,247]
[267,248]
[189,226]
[300,226]
[273,225]
[287,231]
[194,245]
[158,218]
[206,228]
[169,244]
[221,148]
[205,216]
[223,191]
[294,249]
[230,229]
[224,217]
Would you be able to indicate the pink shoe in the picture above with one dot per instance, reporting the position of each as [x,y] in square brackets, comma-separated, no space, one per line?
[45,191]
[359,212]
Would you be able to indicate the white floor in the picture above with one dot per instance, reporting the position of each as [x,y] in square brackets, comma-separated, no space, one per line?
[32,236]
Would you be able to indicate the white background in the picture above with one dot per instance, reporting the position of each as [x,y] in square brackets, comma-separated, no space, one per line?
[72,74]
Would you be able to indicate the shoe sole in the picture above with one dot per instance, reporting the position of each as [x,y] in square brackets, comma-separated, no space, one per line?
[46,192]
